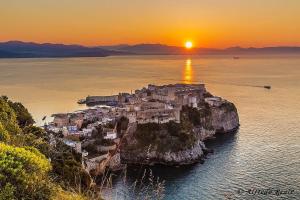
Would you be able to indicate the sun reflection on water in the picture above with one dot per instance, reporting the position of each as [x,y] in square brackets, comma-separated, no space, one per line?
[188,73]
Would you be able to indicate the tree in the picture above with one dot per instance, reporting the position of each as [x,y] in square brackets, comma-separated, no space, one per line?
[24,118]
[8,117]
[37,131]
[67,167]
[122,125]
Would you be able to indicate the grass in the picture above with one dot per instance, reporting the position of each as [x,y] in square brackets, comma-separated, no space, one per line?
[145,187]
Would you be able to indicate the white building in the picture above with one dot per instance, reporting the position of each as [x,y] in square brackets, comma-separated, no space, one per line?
[75,145]
[87,132]
[214,101]
[110,135]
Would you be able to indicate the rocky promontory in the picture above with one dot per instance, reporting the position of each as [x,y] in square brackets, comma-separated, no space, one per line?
[158,124]
[179,143]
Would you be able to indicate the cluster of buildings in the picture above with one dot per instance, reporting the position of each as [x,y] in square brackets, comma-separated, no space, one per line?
[71,124]
[161,104]
[154,104]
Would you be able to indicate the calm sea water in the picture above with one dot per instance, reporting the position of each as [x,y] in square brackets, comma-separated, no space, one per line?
[263,154]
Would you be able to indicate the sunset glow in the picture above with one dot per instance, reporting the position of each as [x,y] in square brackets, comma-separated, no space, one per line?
[188,44]
[223,24]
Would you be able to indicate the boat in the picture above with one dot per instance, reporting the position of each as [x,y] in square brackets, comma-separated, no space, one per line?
[81,101]
[267,87]
[236,57]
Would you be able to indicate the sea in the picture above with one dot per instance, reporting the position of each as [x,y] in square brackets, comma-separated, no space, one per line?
[260,161]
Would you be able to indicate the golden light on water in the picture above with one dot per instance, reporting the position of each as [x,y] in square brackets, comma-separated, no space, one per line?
[188,73]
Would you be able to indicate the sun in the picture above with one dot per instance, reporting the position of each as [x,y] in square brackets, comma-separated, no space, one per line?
[188,44]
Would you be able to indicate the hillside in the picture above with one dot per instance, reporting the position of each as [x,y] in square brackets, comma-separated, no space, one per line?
[19,49]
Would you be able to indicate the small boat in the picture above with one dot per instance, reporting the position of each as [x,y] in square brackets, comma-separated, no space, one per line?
[236,57]
[81,101]
[44,118]
[267,87]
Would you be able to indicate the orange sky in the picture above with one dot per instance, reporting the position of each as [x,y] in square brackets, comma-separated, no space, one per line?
[209,23]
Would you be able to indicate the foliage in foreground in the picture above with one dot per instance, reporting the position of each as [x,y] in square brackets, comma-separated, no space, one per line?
[25,153]
[26,169]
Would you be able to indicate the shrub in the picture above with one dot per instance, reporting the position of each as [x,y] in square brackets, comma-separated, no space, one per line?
[27,170]
[37,131]
[122,124]
[173,128]
[24,118]
[8,117]
[4,136]
[67,167]
[170,136]
[7,192]
[24,170]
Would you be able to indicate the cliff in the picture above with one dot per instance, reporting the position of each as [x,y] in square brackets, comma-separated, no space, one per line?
[220,116]
[168,143]
[179,143]
[153,156]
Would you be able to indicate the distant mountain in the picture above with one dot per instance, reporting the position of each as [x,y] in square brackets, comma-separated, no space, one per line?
[7,54]
[18,49]
[114,47]
[160,49]
[153,49]
[263,50]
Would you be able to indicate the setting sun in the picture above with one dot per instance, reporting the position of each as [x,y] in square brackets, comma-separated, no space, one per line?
[188,44]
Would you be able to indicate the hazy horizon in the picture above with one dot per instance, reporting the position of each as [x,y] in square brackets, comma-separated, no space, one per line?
[145,43]
[213,24]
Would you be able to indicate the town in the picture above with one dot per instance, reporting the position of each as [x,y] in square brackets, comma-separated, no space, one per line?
[94,133]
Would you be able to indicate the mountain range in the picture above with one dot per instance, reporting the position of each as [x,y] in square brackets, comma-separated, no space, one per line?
[19,49]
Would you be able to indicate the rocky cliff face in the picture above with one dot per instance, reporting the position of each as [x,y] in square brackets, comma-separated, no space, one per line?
[178,144]
[183,157]
[222,117]
[204,134]
[224,121]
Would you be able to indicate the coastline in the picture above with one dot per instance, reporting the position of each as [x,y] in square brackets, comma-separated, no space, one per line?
[165,124]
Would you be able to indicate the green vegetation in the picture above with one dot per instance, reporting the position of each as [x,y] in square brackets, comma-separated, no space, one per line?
[107,142]
[67,167]
[170,136]
[98,133]
[7,192]
[25,168]
[24,118]
[4,136]
[8,117]
[61,194]
[191,114]
[122,125]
